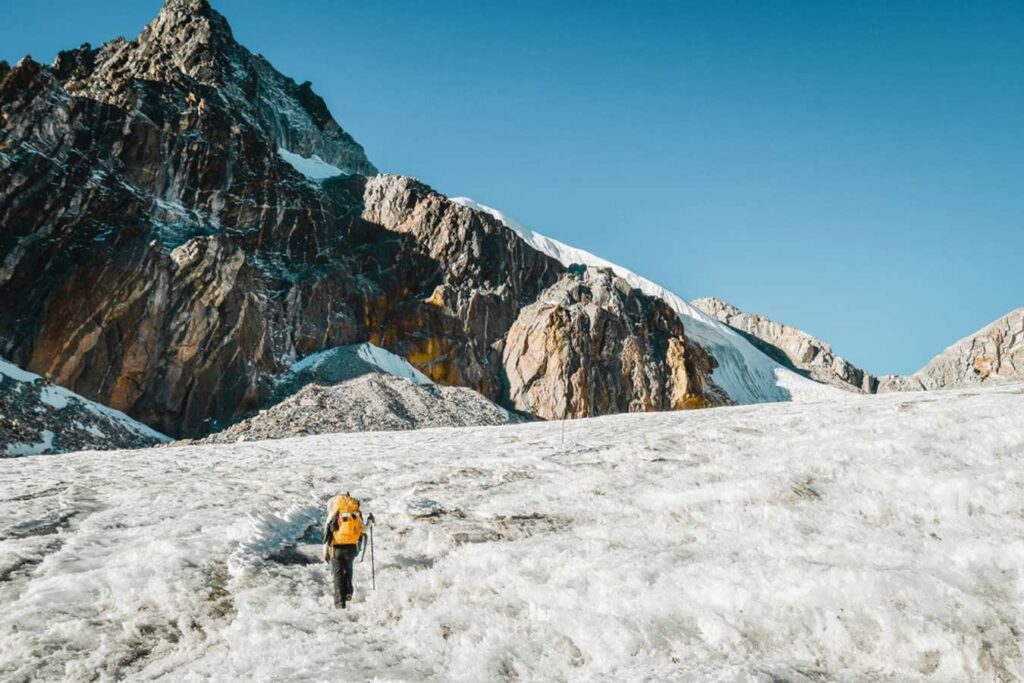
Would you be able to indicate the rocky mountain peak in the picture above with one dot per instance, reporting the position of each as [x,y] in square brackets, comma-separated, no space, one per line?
[992,355]
[169,246]
[197,7]
[193,37]
[186,62]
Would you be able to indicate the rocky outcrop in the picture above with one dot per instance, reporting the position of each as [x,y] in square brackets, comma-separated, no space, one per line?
[156,252]
[161,254]
[474,274]
[791,347]
[593,345]
[994,354]
[373,402]
[37,417]
[188,52]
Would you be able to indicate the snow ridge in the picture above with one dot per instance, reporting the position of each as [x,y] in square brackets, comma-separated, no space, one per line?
[746,374]
[382,359]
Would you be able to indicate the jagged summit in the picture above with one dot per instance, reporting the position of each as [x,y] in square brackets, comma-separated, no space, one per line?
[198,7]
[190,50]
[194,37]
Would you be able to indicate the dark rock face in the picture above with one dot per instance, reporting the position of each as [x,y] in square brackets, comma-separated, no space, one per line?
[159,255]
[478,274]
[189,53]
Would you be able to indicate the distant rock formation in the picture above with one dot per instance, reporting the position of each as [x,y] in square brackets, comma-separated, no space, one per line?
[992,355]
[38,417]
[592,345]
[791,347]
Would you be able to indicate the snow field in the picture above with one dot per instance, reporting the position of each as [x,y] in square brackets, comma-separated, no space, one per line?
[865,539]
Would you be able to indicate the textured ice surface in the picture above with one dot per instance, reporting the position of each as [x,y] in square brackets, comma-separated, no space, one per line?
[866,539]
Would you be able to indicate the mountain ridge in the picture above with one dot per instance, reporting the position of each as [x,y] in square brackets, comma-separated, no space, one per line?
[993,354]
[792,346]
[160,254]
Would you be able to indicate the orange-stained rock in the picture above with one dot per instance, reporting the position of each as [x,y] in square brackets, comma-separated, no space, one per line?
[593,345]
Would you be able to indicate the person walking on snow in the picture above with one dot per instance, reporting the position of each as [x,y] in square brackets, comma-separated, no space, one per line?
[343,541]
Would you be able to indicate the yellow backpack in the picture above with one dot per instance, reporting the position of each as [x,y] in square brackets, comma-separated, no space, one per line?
[349,527]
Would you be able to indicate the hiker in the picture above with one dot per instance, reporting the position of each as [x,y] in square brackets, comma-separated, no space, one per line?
[343,541]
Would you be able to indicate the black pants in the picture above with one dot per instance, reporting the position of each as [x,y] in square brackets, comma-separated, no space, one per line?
[341,572]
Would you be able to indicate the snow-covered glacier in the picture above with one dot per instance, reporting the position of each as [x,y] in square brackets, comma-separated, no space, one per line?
[746,374]
[859,539]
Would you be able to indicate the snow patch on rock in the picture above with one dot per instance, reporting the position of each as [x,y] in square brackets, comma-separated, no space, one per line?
[43,446]
[312,167]
[381,359]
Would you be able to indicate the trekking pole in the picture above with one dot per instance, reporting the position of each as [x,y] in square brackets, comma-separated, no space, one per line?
[373,568]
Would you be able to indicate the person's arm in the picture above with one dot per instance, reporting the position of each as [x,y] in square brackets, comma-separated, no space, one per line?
[362,537]
[329,529]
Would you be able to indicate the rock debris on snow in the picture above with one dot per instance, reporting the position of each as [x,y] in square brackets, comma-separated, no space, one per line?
[38,417]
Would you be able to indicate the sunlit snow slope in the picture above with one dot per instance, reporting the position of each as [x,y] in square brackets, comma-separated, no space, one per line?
[747,375]
[861,539]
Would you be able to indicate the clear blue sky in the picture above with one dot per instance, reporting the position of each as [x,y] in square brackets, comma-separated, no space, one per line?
[852,168]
